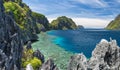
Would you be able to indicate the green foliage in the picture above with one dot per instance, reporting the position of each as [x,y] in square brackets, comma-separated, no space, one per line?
[19,13]
[63,23]
[27,54]
[28,58]
[41,19]
[38,15]
[35,62]
[115,24]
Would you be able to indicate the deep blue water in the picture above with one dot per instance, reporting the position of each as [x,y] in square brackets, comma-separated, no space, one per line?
[82,41]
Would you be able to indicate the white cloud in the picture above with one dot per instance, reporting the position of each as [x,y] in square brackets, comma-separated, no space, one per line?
[92,22]
[89,22]
[94,3]
[118,1]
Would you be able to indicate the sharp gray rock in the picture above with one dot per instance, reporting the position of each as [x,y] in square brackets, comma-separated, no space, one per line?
[49,65]
[106,56]
[10,42]
[29,45]
[39,55]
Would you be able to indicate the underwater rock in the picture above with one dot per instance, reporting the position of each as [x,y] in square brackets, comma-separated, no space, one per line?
[106,56]
[49,65]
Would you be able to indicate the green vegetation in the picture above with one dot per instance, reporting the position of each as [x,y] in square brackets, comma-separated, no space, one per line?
[17,1]
[38,15]
[63,23]
[35,62]
[41,19]
[28,58]
[19,13]
[115,24]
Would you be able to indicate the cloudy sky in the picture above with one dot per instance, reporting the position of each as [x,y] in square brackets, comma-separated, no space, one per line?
[89,13]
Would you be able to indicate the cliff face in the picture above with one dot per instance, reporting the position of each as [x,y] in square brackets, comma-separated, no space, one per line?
[41,21]
[106,56]
[63,23]
[10,42]
[29,24]
[115,24]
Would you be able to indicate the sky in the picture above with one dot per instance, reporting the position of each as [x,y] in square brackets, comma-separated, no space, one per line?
[89,13]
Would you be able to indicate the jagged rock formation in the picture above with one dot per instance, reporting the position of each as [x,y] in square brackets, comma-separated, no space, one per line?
[39,55]
[41,21]
[114,24]
[49,65]
[21,14]
[63,23]
[30,23]
[10,42]
[106,56]
[29,45]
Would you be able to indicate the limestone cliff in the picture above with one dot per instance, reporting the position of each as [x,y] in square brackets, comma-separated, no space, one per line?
[10,42]
[24,18]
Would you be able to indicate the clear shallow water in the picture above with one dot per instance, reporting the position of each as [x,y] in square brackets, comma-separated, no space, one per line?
[51,50]
[82,41]
[61,45]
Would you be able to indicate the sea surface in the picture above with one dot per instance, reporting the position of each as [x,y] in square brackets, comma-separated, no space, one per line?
[61,44]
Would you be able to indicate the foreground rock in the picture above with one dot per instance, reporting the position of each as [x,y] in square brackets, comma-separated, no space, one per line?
[49,65]
[106,56]
[10,42]
[39,55]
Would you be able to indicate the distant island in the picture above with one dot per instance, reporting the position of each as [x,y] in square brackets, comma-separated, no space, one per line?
[80,27]
[114,24]
[63,23]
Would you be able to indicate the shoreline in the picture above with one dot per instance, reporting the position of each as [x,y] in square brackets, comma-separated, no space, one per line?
[50,50]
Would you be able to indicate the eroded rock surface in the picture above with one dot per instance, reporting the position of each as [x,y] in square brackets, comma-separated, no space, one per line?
[10,42]
[49,65]
[39,55]
[106,56]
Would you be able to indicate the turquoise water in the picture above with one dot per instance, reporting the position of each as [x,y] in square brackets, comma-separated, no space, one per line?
[61,45]
[82,41]
[53,51]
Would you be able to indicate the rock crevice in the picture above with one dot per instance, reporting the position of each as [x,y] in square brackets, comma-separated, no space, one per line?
[106,56]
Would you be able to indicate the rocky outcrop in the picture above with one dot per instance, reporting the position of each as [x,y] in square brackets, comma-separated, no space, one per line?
[114,24]
[39,55]
[106,56]
[77,62]
[80,27]
[63,23]
[49,65]
[29,45]
[29,24]
[41,21]
[10,42]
